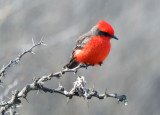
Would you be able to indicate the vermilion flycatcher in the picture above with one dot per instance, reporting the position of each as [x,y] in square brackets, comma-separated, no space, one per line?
[93,47]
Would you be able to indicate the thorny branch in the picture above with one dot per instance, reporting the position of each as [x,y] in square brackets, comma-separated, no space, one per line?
[79,89]
[17,60]
[60,73]
[13,101]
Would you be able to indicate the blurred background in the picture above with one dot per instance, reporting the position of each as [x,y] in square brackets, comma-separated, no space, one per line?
[132,67]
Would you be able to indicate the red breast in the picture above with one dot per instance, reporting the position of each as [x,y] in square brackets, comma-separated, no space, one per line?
[95,51]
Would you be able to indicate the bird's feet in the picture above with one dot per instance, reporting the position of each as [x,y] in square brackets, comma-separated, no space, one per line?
[85,65]
[100,63]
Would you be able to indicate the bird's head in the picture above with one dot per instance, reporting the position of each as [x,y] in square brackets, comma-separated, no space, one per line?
[106,28]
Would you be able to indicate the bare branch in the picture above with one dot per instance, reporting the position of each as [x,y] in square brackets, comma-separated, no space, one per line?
[14,101]
[16,61]
[79,89]
[60,73]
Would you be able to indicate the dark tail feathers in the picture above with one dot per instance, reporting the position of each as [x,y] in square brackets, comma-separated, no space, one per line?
[72,64]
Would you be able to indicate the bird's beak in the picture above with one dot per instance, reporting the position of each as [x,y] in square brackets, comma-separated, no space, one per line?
[114,37]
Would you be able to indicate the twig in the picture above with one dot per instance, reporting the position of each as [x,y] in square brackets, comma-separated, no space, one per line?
[60,73]
[79,89]
[14,101]
[17,60]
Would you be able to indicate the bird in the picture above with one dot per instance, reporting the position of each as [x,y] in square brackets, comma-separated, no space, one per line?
[93,47]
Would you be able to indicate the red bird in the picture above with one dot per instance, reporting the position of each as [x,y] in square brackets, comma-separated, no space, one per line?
[93,47]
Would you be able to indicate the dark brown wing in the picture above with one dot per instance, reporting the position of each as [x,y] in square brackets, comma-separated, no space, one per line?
[83,40]
[80,43]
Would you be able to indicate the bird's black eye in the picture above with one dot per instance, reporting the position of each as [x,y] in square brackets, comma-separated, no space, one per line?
[101,33]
